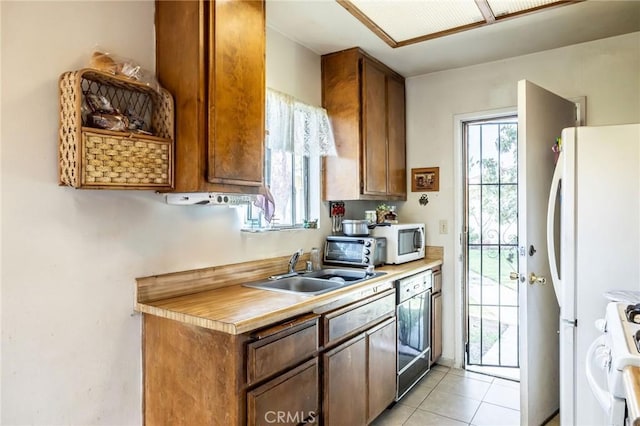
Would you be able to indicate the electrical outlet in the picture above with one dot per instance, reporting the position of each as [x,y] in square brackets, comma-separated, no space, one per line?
[444,228]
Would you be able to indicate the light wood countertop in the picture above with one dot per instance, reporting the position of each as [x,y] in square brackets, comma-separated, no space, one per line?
[235,309]
[631,377]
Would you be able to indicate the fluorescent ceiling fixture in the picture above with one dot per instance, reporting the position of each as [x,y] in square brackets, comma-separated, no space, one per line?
[507,7]
[403,22]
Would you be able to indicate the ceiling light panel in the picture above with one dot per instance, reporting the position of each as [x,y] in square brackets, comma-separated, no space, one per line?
[507,7]
[407,19]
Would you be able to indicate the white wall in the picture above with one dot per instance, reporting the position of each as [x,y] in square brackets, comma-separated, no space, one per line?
[70,339]
[293,69]
[607,72]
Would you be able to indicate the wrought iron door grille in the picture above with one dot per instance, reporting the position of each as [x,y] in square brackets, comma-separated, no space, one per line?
[492,242]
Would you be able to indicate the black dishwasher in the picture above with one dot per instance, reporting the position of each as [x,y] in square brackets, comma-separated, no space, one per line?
[413,311]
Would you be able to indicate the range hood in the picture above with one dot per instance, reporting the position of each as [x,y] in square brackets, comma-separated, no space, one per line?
[209,198]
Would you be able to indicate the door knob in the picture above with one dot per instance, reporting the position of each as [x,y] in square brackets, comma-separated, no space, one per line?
[514,276]
[533,279]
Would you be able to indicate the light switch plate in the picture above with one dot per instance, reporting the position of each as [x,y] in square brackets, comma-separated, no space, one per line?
[444,227]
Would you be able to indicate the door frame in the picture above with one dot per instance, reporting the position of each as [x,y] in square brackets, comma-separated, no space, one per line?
[459,273]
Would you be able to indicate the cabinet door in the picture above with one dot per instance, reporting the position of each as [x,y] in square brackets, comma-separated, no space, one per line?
[345,383]
[437,279]
[236,103]
[180,67]
[436,326]
[381,342]
[341,93]
[289,399]
[211,56]
[374,128]
[396,164]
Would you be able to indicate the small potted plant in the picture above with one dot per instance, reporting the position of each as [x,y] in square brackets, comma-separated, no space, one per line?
[381,212]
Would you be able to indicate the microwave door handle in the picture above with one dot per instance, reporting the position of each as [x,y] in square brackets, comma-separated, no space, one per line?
[418,242]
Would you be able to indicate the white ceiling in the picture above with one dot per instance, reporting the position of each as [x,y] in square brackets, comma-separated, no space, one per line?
[324,26]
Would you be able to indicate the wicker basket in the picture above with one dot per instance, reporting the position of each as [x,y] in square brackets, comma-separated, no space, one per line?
[101,159]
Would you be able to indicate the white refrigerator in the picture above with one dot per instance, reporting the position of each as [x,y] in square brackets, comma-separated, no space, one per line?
[594,247]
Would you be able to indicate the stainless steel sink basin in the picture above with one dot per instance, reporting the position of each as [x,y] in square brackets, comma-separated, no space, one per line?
[348,275]
[300,284]
[317,282]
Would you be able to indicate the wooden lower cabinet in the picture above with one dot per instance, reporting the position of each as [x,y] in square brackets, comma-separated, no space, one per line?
[276,375]
[289,399]
[278,348]
[345,383]
[192,375]
[358,317]
[360,376]
[381,359]
[436,316]
[436,327]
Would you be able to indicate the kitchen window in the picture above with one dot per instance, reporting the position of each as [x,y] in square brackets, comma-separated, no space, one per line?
[298,134]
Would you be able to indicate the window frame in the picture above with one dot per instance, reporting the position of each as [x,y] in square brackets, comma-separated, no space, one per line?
[253,217]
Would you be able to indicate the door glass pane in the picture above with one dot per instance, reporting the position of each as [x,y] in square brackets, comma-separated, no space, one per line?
[508,153]
[475,209]
[509,336]
[474,335]
[508,287]
[490,214]
[492,242]
[489,159]
[490,277]
[473,156]
[509,214]
[490,335]
[474,275]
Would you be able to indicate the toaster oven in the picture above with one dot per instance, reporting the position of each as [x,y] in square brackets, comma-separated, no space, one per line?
[355,251]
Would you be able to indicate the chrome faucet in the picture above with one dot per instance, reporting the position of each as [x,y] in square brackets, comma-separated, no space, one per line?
[293,260]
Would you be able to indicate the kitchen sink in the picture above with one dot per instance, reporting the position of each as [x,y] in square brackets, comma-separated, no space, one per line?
[317,282]
[347,275]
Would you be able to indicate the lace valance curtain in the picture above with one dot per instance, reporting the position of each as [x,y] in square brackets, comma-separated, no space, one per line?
[296,127]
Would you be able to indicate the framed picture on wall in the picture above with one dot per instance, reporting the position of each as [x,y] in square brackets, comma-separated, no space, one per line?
[425,179]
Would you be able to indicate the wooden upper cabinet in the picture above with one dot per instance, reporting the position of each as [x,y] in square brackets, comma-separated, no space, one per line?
[211,57]
[396,139]
[374,129]
[366,104]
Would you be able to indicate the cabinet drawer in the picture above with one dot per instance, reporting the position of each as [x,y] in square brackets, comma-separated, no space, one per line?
[282,346]
[358,316]
[293,394]
[437,280]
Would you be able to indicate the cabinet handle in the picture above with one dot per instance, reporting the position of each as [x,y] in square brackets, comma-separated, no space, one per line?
[309,318]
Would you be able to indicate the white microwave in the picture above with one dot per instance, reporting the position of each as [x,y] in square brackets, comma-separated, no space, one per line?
[405,241]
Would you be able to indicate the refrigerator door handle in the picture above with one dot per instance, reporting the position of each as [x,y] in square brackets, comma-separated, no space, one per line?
[551,216]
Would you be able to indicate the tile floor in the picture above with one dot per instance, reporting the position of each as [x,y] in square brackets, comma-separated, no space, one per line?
[450,397]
